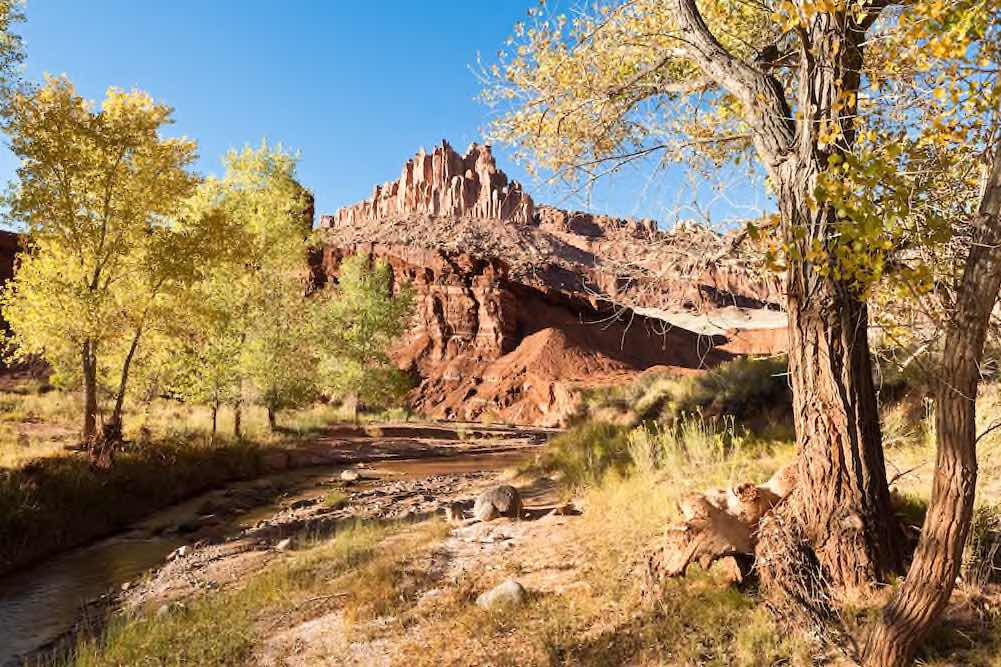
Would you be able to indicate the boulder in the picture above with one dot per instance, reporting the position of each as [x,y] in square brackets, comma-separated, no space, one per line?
[499,501]
[508,594]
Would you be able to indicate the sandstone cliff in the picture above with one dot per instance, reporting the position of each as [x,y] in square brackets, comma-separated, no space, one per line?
[521,306]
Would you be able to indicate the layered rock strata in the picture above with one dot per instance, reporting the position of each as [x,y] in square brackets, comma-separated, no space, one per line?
[521,306]
[444,183]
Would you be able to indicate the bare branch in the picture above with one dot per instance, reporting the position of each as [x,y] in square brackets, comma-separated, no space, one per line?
[761,95]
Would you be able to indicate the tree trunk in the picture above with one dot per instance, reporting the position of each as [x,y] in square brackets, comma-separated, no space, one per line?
[937,560]
[840,508]
[113,429]
[238,418]
[272,422]
[88,354]
[215,418]
[841,501]
[836,527]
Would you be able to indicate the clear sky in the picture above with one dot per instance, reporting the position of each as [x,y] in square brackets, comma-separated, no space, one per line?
[355,86]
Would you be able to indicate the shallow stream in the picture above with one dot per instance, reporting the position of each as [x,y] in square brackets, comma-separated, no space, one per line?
[43,602]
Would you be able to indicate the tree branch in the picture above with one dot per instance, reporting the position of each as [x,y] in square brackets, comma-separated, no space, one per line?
[765,105]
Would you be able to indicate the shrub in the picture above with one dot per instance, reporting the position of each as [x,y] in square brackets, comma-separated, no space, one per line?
[689,444]
[743,388]
[585,453]
[754,392]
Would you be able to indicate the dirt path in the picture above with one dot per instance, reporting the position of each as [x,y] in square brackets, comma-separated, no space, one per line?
[539,551]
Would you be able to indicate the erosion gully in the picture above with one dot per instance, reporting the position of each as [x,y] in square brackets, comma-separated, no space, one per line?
[44,603]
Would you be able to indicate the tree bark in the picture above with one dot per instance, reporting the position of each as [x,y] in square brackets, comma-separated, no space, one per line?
[841,503]
[114,425]
[937,560]
[215,418]
[840,507]
[272,421]
[238,418]
[89,392]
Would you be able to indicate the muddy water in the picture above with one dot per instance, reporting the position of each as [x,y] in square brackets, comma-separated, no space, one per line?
[41,603]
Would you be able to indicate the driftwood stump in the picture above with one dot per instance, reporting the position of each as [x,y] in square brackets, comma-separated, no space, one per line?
[717,525]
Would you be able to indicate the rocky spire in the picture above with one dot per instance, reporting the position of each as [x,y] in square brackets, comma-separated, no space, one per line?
[443,183]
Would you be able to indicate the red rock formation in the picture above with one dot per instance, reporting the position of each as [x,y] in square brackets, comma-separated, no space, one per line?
[521,306]
[484,346]
[443,183]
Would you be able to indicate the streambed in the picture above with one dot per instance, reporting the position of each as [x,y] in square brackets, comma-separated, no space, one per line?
[41,604]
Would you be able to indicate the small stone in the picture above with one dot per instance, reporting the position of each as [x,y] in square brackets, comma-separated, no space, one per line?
[509,593]
[126,586]
[163,610]
[284,545]
[350,476]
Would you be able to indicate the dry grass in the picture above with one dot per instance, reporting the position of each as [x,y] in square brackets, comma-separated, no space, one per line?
[37,421]
[51,498]
[362,572]
[223,629]
[602,619]
[628,481]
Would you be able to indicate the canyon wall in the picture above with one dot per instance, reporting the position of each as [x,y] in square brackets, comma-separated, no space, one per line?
[520,307]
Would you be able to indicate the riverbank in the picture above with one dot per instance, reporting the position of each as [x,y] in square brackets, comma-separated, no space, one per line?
[391,592]
[60,501]
[352,566]
[225,536]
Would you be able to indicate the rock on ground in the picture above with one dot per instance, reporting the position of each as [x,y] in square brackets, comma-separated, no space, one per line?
[508,594]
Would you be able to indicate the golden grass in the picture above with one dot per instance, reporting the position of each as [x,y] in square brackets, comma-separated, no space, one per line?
[223,629]
[378,573]
[37,421]
[360,571]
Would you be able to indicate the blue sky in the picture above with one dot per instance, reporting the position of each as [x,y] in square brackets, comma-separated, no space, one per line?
[356,87]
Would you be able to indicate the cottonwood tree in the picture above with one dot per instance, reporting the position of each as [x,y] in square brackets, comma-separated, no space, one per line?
[803,86]
[281,355]
[244,336]
[357,322]
[799,84]
[780,79]
[96,190]
[954,154]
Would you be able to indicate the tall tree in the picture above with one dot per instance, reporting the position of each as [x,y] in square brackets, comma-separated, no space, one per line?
[281,354]
[245,337]
[97,190]
[961,118]
[707,82]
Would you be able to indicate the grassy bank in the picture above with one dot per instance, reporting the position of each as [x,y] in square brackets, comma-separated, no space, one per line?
[52,498]
[61,501]
[359,571]
[376,581]
[383,589]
